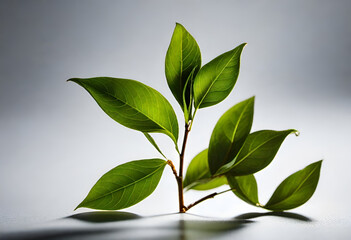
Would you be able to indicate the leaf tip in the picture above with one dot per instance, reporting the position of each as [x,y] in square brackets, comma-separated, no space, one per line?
[319,163]
[72,80]
[243,45]
[296,132]
[179,25]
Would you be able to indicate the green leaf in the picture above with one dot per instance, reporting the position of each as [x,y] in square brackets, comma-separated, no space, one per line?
[197,169]
[125,185]
[182,57]
[152,141]
[216,79]
[229,134]
[132,104]
[296,189]
[208,184]
[258,151]
[198,176]
[245,188]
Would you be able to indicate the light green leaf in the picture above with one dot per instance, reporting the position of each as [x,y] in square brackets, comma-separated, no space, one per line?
[258,151]
[125,185]
[182,57]
[198,176]
[132,104]
[208,184]
[216,79]
[229,134]
[245,188]
[296,189]
[152,141]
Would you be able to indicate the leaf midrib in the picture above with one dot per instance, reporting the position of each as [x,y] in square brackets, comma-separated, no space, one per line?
[309,175]
[123,187]
[235,130]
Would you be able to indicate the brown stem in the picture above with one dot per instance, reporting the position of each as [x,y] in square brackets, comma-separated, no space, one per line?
[182,208]
[181,156]
[170,163]
[201,200]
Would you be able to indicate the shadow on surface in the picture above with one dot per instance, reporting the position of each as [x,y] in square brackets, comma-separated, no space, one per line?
[59,233]
[105,216]
[278,214]
[117,225]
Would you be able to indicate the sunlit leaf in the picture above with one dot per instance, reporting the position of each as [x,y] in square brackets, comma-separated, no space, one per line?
[296,189]
[132,104]
[182,57]
[229,134]
[216,79]
[125,185]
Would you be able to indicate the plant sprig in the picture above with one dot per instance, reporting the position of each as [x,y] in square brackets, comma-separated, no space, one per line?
[234,153]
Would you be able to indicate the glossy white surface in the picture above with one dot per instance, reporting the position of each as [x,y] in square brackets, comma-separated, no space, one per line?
[182,227]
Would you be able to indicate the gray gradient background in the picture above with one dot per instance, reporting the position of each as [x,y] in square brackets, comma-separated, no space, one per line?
[55,142]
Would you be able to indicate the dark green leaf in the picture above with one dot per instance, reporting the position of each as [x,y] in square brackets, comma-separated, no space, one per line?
[132,104]
[125,185]
[245,188]
[182,57]
[229,134]
[198,176]
[258,151]
[216,79]
[296,189]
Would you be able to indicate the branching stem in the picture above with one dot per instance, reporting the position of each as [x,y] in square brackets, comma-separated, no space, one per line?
[179,175]
[212,195]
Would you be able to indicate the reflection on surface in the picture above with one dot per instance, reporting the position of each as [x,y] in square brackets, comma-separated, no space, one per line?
[208,229]
[291,215]
[125,225]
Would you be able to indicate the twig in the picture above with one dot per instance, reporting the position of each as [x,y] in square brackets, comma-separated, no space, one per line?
[212,195]
[201,200]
